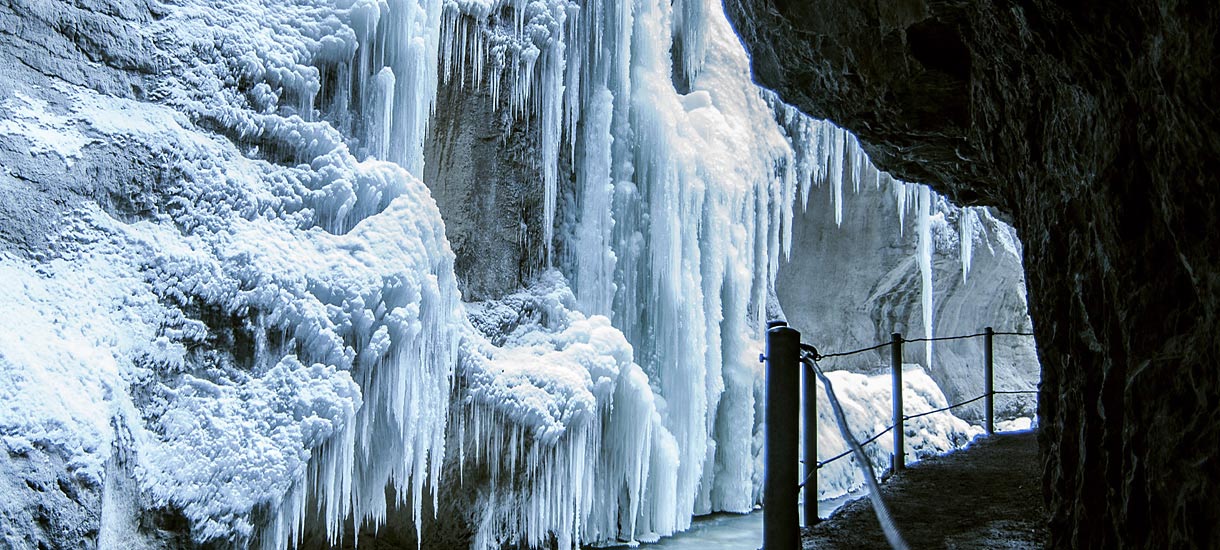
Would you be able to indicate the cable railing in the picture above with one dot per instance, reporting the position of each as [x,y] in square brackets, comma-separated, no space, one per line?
[785,356]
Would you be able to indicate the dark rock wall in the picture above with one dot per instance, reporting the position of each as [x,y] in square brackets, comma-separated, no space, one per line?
[1094,125]
[484,169]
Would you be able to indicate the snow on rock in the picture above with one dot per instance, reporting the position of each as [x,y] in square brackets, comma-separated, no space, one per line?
[866,401]
[269,336]
[46,132]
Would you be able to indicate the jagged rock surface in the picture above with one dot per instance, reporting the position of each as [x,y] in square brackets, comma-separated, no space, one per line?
[1093,125]
[482,167]
[44,504]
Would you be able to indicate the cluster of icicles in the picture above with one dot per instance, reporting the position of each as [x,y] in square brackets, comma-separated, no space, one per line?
[683,209]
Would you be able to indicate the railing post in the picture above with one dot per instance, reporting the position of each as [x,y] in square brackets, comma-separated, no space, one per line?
[780,521]
[809,400]
[989,381]
[899,457]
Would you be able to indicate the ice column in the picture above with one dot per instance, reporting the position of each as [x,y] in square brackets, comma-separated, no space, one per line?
[411,43]
[968,221]
[595,259]
[381,117]
[925,265]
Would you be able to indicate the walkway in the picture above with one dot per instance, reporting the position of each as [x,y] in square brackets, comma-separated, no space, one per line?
[987,496]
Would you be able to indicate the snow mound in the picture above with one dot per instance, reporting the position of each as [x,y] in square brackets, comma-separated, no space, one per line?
[867,403]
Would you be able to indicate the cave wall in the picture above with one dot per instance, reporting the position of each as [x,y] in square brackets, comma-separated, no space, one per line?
[1093,125]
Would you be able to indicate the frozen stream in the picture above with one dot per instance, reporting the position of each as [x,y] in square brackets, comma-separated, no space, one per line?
[731,531]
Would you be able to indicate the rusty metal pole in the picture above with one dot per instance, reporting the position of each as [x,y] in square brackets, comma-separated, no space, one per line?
[780,518]
[989,381]
[809,402]
[899,458]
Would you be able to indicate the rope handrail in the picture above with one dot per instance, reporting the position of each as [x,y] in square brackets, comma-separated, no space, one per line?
[874,491]
[820,356]
[862,443]
[889,428]
[942,409]
[785,354]
[810,355]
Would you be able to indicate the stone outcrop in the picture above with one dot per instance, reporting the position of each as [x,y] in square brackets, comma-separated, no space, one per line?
[1094,126]
[91,44]
[42,45]
[483,168]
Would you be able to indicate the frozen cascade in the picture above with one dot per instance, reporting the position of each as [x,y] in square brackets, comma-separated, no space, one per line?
[595,259]
[410,46]
[630,406]
[551,105]
[662,218]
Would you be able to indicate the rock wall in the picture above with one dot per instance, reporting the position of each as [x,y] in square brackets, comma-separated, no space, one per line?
[850,286]
[48,43]
[1093,125]
[44,504]
[483,167]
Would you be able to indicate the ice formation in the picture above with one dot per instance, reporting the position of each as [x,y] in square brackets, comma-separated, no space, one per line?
[968,221]
[278,340]
[925,267]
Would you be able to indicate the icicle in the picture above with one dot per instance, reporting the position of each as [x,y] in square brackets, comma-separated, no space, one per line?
[412,45]
[595,259]
[381,114]
[900,194]
[552,125]
[925,265]
[690,18]
[809,169]
[968,220]
[836,174]
[857,163]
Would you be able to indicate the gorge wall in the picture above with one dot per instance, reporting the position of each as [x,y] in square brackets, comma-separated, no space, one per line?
[1093,125]
[849,286]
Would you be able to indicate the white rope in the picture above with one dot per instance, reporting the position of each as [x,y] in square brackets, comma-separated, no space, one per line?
[874,490]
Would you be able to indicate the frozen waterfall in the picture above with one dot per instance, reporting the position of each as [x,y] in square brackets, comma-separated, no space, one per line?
[277,347]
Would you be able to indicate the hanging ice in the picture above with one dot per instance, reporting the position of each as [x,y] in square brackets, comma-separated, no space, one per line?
[968,221]
[925,267]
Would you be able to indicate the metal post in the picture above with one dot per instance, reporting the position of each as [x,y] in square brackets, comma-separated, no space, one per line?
[988,381]
[899,457]
[809,401]
[780,518]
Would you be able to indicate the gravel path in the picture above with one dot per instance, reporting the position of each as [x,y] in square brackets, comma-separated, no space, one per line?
[987,496]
